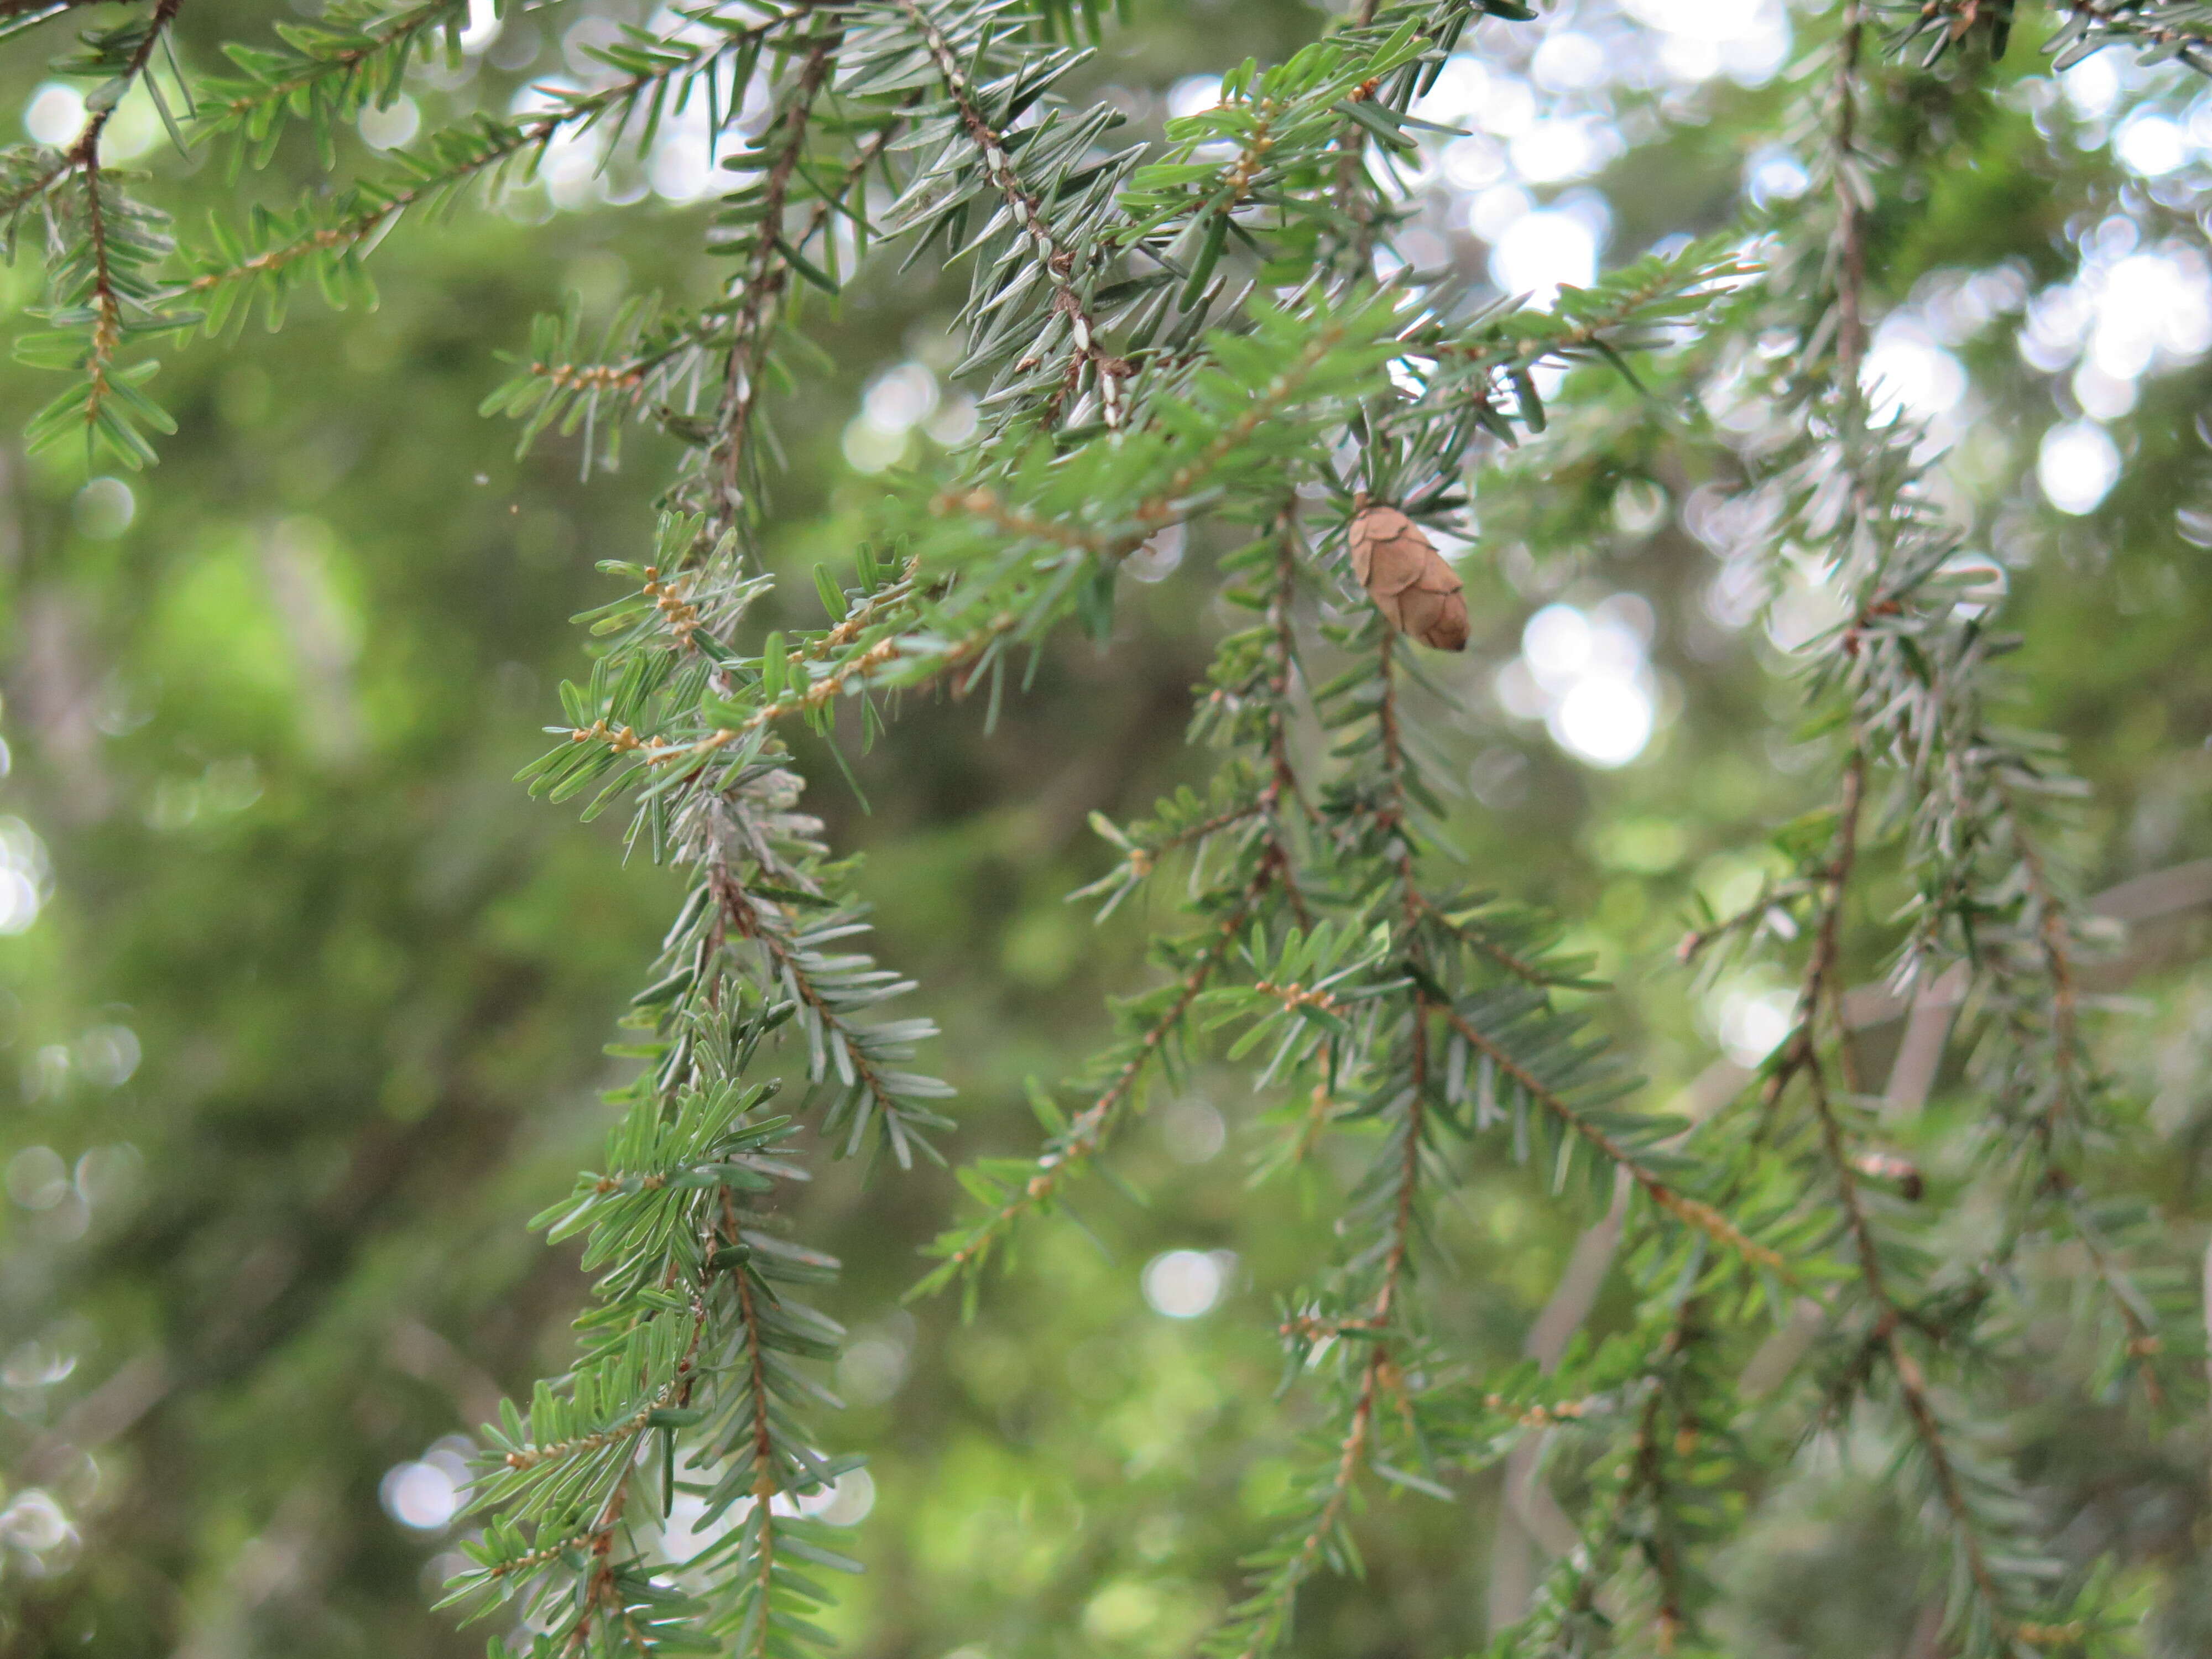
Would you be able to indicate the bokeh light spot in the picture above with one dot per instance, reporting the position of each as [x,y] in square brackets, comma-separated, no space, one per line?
[55,114]
[2077,466]
[1184,1284]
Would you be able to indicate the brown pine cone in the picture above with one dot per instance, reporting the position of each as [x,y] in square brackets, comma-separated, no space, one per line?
[1407,578]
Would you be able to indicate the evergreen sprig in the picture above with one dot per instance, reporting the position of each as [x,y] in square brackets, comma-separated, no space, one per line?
[1920,1329]
[355,56]
[105,251]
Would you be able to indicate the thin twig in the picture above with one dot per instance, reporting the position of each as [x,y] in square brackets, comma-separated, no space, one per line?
[762,284]
[499,145]
[1058,256]
[84,156]
[1087,1134]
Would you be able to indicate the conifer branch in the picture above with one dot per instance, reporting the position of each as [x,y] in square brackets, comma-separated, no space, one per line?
[1352,202]
[1471,934]
[647,361]
[968,1249]
[1892,1318]
[1057,255]
[1330,947]
[1691,1212]
[2095,23]
[1848,186]
[1262,1622]
[352,56]
[757,291]
[765,1483]
[49,167]
[447,161]
[98,281]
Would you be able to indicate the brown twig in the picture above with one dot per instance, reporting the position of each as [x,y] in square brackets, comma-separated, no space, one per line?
[349,59]
[1058,257]
[1351,156]
[84,157]
[1850,236]
[762,284]
[1381,1371]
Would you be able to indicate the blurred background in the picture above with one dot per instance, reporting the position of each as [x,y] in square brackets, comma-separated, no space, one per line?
[301,1001]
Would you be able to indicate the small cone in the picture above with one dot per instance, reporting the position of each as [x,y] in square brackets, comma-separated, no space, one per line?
[1407,578]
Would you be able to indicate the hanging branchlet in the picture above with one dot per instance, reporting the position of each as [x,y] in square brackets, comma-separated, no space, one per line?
[106,252]
[354,56]
[2162,30]
[726,463]
[327,240]
[1922,1327]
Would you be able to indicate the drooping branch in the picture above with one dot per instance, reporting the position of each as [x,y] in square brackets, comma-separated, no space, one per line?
[449,160]
[758,290]
[1058,257]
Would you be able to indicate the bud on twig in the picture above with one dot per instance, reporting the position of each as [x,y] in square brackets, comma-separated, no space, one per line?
[1407,578]
[1887,1166]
